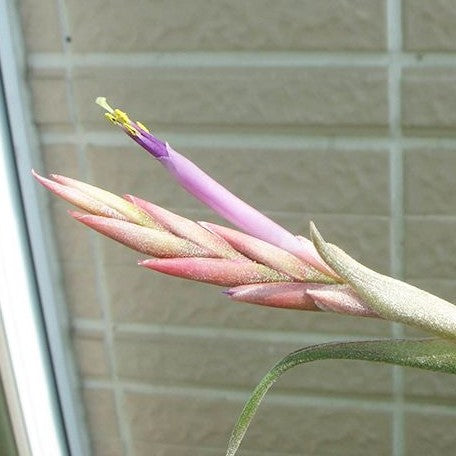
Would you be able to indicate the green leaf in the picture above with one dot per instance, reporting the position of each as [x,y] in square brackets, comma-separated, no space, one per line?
[431,354]
[390,298]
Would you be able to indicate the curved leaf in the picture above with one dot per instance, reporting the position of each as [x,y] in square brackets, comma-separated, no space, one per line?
[431,354]
[390,298]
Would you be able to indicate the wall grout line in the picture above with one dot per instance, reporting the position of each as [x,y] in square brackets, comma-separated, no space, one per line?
[397,231]
[101,292]
[64,28]
[239,59]
[232,140]
[275,397]
[209,60]
[241,394]
[257,140]
[396,154]
[145,330]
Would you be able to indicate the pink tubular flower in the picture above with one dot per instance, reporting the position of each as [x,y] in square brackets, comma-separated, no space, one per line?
[256,271]
[214,195]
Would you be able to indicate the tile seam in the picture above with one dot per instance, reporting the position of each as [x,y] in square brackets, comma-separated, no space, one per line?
[394,33]
[275,397]
[257,140]
[219,450]
[240,59]
[211,60]
[63,26]
[232,140]
[124,329]
[94,241]
[240,394]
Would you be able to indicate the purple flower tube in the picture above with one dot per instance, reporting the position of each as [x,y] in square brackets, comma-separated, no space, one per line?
[214,195]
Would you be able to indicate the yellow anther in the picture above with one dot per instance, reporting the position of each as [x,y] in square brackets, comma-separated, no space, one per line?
[110,117]
[121,116]
[140,125]
[101,101]
[131,130]
[118,117]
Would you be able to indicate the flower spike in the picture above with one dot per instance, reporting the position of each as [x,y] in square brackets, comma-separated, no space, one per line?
[260,272]
[214,195]
[267,266]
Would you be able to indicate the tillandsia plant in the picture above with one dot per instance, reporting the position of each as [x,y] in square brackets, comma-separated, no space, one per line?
[264,264]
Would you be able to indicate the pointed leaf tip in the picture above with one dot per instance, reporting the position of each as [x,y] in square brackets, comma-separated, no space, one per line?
[41,179]
[390,298]
[315,235]
[75,214]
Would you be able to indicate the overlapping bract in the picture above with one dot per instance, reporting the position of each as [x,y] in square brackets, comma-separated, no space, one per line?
[254,270]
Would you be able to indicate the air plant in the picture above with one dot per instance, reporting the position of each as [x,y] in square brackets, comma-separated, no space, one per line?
[263,264]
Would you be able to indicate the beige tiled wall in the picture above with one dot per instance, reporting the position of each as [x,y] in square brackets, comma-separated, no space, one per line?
[342,111]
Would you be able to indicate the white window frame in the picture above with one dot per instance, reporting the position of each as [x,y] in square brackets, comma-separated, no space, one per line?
[35,352]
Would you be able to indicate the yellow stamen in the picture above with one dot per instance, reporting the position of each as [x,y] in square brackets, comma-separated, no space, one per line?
[130,129]
[110,117]
[140,125]
[121,116]
[118,117]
